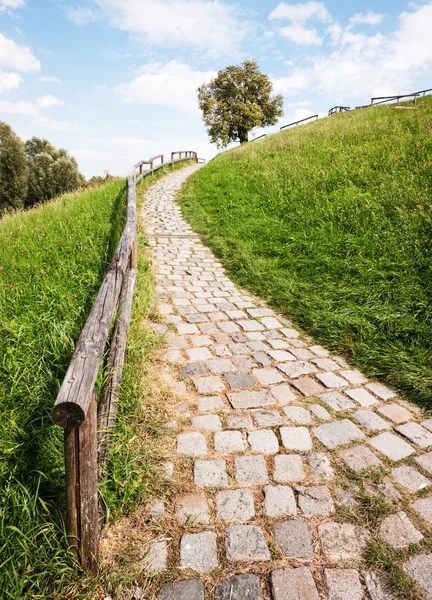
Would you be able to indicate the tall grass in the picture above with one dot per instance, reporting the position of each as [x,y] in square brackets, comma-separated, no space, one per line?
[331,223]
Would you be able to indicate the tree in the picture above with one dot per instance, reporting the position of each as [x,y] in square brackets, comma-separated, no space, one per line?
[237,100]
[13,170]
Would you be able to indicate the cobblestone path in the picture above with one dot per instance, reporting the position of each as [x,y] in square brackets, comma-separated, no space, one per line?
[283,443]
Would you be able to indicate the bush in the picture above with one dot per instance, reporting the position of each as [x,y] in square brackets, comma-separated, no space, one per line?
[13,170]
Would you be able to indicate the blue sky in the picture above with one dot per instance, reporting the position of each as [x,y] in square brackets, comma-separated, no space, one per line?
[114,81]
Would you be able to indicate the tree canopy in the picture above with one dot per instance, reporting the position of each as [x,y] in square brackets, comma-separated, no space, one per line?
[238,99]
[13,170]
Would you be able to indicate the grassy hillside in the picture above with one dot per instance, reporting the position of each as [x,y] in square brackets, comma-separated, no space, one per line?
[331,223]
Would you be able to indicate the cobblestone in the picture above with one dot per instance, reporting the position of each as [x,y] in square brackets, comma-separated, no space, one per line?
[263,441]
[296,438]
[337,433]
[342,540]
[315,500]
[320,465]
[343,584]
[235,505]
[198,551]
[250,469]
[288,468]
[293,539]
[210,473]
[279,501]
[398,531]
[244,586]
[246,543]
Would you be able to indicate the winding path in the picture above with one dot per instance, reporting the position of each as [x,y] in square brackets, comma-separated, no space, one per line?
[278,438]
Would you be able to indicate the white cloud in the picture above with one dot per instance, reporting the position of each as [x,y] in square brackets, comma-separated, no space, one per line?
[173,85]
[209,25]
[9,81]
[301,35]
[369,18]
[301,12]
[18,108]
[7,5]
[50,79]
[16,57]
[48,101]
[81,15]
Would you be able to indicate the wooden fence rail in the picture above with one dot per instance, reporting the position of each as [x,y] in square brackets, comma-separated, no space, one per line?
[87,423]
[300,121]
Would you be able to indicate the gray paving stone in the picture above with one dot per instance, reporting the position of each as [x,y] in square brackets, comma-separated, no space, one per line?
[174,357]
[315,500]
[246,543]
[176,341]
[207,422]
[293,584]
[376,586]
[416,434]
[262,359]
[260,312]
[331,380]
[337,401]
[370,420]
[270,323]
[193,369]
[208,385]
[425,461]
[235,505]
[343,584]
[427,424]
[385,488]
[189,589]
[198,551]
[420,569]
[210,473]
[320,412]
[296,438]
[359,458]
[220,365]
[250,325]
[250,469]
[243,587]
[423,507]
[298,415]
[267,418]
[362,397]
[243,363]
[337,433]
[293,539]
[381,391]
[228,441]
[250,399]
[297,369]
[396,413]
[354,376]
[326,364]
[410,478]
[220,350]
[157,556]
[343,540]
[320,465]
[200,354]
[290,332]
[391,446]
[239,421]
[201,340]
[279,501]
[180,388]
[288,468]
[239,380]
[156,508]
[347,497]
[308,386]
[191,444]
[208,403]
[281,355]
[263,441]
[192,509]
[159,328]
[398,531]
[283,394]
[267,376]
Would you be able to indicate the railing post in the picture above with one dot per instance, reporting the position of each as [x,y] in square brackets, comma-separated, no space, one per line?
[134,255]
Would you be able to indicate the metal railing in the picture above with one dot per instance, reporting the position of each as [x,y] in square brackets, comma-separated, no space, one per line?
[300,121]
[258,138]
[338,109]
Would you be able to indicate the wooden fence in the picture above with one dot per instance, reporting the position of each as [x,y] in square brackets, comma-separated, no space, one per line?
[87,422]
[300,121]
[337,109]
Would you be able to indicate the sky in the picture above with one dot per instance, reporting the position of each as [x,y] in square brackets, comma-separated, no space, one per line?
[114,81]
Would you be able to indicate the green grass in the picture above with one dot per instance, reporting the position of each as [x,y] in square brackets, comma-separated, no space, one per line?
[331,224]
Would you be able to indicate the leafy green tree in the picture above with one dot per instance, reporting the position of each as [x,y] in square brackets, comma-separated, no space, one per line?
[237,100]
[41,186]
[13,170]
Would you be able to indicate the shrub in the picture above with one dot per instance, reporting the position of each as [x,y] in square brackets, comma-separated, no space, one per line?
[13,170]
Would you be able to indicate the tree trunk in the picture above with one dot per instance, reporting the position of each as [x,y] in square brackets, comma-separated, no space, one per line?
[243,136]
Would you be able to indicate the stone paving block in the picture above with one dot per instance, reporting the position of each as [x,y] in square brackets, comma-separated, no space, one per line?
[263,441]
[181,409]
[243,363]
[276,344]
[262,359]
[354,376]
[235,505]
[337,433]
[191,444]
[184,328]
[207,422]
[283,394]
[427,424]
[196,318]
[281,355]
[376,586]
[331,380]
[370,420]
[307,386]
[279,501]
[239,380]
[208,403]
[398,531]
[228,326]
[198,551]
[347,497]
[293,584]
[359,458]
[250,325]
[337,401]
[156,508]
[301,353]
[423,507]
[270,323]
[267,418]
[200,354]
[192,509]
[319,351]
[220,350]
[220,365]
[290,333]
[288,468]
[257,346]
[296,438]
[420,569]
[425,461]
[246,543]
[362,397]
[343,584]
[391,446]
[250,469]
[260,312]
[410,478]
[326,364]
[228,441]
[208,385]
[267,376]
[189,589]
[320,465]
[315,500]
[193,369]
[250,399]
[381,391]
[180,388]
[293,539]
[397,414]
[210,473]
[159,328]
[239,421]
[385,488]
[298,415]
[320,412]
[174,357]
[236,314]
[201,340]
[343,540]
[416,434]
[246,586]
